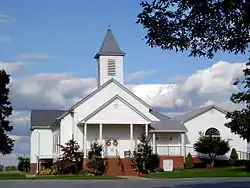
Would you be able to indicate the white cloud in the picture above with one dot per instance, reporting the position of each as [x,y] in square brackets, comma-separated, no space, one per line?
[36,56]
[214,83]
[48,90]
[139,74]
[12,67]
[208,86]
[5,38]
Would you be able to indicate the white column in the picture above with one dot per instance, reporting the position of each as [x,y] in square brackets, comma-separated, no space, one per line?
[100,133]
[146,129]
[154,146]
[85,141]
[131,138]
[183,145]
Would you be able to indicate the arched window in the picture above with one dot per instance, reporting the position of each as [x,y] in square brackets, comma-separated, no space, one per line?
[212,132]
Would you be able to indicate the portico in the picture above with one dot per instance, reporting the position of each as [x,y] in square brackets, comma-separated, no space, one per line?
[104,133]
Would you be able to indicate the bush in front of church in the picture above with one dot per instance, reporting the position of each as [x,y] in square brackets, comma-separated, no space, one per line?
[233,156]
[189,164]
[144,160]
[70,162]
[95,161]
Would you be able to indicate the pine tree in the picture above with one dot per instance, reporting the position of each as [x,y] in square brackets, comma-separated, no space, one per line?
[189,164]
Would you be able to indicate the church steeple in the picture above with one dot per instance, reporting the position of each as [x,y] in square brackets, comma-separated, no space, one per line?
[110,60]
[109,46]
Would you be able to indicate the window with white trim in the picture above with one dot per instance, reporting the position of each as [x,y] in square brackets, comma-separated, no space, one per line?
[111,67]
[213,132]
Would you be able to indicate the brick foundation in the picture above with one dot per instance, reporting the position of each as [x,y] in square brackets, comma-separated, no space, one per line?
[178,161]
[197,160]
[33,167]
[122,167]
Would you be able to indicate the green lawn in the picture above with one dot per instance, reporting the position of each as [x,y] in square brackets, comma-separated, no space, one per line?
[216,172]
[18,175]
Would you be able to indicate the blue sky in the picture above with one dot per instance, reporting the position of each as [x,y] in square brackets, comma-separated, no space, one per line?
[62,36]
[73,32]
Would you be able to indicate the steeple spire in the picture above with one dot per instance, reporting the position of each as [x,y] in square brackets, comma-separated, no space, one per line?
[109,46]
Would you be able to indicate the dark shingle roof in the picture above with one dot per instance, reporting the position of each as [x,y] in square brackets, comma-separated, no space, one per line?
[44,118]
[192,114]
[109,46]
[167,123]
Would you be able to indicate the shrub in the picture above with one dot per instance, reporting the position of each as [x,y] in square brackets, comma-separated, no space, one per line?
[247,165]
[189,162]
[200,165]
[159,170]
[222,163]
[153,163]
[46,171]
[233,155]
[239,163]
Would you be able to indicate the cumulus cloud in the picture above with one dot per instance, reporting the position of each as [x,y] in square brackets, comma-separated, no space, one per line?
[36,57]
[49,90]
[62,90]
[5,38]
[10,68]
[139,74]
[59,91]
[214,83]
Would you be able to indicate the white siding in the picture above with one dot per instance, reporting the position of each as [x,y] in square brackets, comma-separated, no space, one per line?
[91,105]
[216,119]
[117,113]
[66,130]
[103,69]
[41,143]
[105,95]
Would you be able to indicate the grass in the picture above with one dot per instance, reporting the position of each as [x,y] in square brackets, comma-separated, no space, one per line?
[195,173]
[18,175]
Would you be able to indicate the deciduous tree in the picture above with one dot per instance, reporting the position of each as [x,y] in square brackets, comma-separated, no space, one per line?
[212,146]
[6,143]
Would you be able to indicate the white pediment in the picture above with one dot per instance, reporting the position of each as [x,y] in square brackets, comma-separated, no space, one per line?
[116,111]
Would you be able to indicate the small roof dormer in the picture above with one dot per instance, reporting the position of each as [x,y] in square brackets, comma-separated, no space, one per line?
[109,46]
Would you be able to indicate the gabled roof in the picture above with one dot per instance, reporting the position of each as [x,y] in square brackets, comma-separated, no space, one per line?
[112,80]
[109,46]
[110,101]
[192,114]
[44,118]
[166,124]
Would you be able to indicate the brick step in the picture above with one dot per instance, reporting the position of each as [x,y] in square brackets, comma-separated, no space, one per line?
[119,167]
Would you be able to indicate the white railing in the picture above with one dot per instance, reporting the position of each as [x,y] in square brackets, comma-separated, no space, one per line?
[176,151]
[243,155]
[168,150]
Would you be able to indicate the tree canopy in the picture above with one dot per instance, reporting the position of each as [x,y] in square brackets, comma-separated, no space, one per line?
[6,143]
[204,27]
[212,146]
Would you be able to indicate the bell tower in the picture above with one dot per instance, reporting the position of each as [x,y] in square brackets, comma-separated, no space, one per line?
[110,60]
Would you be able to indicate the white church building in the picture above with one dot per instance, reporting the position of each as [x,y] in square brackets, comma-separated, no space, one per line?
[116,117]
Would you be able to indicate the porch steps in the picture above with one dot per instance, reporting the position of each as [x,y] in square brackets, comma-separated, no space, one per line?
[119,167]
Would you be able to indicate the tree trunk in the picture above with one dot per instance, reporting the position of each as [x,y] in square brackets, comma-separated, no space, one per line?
[212,163]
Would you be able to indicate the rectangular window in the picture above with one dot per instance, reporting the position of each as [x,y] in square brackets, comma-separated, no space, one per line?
[111,67]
